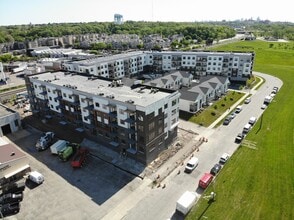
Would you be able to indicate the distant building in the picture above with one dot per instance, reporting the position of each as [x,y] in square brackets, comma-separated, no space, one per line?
[237,66]
[138,122]
[2,74]
[118,19]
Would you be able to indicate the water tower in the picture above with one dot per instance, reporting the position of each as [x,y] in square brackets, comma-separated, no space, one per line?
[118,19]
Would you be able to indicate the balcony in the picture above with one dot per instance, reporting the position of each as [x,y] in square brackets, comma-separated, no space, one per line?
[113,114]
[89,107]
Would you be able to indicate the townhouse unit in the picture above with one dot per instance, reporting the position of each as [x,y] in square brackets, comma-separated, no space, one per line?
[138,121]
[195,94]
[235,65]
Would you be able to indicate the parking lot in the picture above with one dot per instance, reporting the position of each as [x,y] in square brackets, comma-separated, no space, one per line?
[86,193]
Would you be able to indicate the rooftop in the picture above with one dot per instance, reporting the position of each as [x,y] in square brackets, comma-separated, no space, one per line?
[141,96]
[5,111]
[9,152]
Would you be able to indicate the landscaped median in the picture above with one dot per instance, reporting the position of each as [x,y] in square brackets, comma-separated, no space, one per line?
[214,111]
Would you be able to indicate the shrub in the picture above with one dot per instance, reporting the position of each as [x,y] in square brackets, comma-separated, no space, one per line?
[215,107]
[213,113]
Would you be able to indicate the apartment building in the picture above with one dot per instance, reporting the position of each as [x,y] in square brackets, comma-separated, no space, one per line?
[237,66]
[139,121]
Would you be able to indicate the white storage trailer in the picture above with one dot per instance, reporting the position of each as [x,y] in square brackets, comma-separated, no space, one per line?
[58,146]
[186,201]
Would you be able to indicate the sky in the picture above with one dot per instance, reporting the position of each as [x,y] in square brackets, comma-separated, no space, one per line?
[16,12]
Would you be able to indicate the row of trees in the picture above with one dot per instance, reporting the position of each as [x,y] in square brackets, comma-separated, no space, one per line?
[195,31]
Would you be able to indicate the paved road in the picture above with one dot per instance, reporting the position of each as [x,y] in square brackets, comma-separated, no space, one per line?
[160,203]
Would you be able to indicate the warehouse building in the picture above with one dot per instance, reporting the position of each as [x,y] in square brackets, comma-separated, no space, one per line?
[9,120]
[139,121]
[13,165]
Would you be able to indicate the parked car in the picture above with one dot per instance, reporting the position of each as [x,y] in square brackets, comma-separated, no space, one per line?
[247,128]
[227,120]
[252,120]
[45,140]
[11,198]
[232,115]
[247,100]
[215,169]
[263,106]
[276,89]
[205,180]
[238,109]
[36,177]
[191,164]
[79,158]
[9,208]
[239,138]
[17,187]
[224,158]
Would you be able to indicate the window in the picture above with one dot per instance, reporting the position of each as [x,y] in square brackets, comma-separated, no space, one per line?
[174,102]
[151,126]
[122,121]
[151,136]
[140,128]
[121,111]
[97,104]
[16,123]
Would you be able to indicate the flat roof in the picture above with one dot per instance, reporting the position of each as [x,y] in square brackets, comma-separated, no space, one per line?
[141,96]
[9,152]
[107,59]
[5,111]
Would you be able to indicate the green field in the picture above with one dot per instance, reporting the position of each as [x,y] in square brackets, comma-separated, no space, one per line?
[258,182]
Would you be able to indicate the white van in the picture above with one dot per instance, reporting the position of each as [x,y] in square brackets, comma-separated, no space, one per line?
[252,120]
[246,128]
[191,164]
[36,177]
[238,109]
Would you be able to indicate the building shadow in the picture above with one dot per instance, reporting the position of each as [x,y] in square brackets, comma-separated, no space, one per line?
[104,173]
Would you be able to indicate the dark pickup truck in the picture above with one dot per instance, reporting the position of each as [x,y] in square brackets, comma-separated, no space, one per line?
[9,209]
[11,198]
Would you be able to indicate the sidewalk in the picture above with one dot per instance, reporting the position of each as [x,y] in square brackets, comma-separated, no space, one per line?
[251,91]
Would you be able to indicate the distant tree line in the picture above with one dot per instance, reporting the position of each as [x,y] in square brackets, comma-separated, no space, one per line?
[191,31]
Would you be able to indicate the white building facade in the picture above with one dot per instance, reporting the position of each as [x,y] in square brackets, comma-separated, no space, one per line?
[235,65]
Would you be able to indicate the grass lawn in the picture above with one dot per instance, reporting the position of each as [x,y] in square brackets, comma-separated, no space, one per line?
[258,183]
[211,113]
